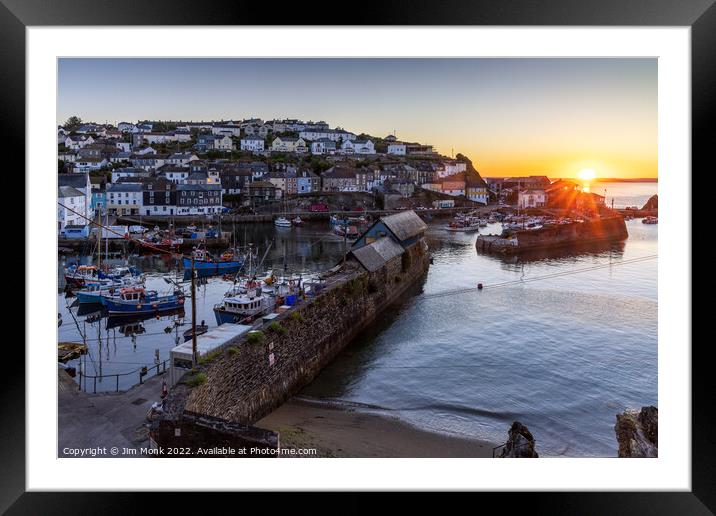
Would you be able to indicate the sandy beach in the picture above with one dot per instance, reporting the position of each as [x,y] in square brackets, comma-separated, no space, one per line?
[337,431]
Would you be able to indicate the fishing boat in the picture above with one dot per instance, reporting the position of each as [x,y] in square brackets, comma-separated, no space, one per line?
[76,276]
[282,222]
[95,291]
[119,272]
[243,308]
[345,231]
[463,225]
[136,300]
[227,263]
[650,220]
[298,221]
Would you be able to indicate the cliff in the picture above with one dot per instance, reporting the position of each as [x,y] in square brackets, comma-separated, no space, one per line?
[652,204]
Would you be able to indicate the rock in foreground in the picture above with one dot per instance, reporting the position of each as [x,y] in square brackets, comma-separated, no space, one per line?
[637,432]
[520,443]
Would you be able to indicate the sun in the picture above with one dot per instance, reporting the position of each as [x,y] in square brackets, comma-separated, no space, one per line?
[587,174]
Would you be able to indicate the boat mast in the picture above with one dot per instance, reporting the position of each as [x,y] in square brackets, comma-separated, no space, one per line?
[99,243]
[106,238]
[193,312]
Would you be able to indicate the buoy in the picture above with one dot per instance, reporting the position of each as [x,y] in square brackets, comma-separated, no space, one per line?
[479,286]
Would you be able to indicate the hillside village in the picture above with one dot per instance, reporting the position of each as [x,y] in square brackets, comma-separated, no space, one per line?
[160,168]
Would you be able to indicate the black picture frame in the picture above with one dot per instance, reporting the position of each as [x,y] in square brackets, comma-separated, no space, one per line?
[700,15]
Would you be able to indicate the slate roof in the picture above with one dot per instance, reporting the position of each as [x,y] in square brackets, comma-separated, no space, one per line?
[75,180]
[374,255]
[68,191]
[405,225]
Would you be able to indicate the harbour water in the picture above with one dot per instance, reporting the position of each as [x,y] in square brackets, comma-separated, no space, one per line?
[563,354]
[625,194]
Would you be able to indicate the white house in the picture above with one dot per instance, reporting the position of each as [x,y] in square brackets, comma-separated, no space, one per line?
[123,146]
[335,135]
[257,129]
[77,142]
[89,164]
[230,130]
[181,136]
[175,173]
[358,147]
[252,143]
[181,158]
[452,167]
[133,172]
[323,146]
[146,150]
[396,148]
[531,199]
[70,200]
[288,144]
[67,156]
[80,182]
[223,143]
[159,137]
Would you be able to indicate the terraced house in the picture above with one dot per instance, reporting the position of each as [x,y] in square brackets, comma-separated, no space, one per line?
[198,199]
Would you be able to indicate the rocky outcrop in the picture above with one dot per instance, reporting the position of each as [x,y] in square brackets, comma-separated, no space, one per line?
[652,203]
[637,432]
[520,443]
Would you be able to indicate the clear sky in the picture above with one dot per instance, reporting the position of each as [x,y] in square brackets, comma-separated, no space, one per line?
[510,116]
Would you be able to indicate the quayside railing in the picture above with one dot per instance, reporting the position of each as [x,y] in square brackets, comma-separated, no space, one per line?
[144,373]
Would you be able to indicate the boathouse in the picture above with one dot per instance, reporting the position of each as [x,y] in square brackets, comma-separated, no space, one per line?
[404,228]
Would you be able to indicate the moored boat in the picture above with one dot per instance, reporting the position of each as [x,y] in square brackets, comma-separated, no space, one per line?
[463,225]
[76,276]
[243,308]
[298,221]
[203,262]
[346,231]
[136,300]
[282,222]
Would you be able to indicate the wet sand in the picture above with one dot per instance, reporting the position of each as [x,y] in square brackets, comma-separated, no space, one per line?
[337,431]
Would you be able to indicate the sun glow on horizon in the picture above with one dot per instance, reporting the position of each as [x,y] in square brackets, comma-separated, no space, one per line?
[587,174]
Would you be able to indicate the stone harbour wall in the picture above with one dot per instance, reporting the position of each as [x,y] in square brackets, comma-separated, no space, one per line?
[254,378]
[605,229]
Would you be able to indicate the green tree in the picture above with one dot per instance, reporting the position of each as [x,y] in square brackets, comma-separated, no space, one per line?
[72,122]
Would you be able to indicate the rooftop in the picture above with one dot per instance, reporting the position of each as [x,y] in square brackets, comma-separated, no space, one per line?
[374,255]
[405,225]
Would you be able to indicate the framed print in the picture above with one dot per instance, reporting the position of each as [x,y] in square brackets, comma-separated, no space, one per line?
[427,238]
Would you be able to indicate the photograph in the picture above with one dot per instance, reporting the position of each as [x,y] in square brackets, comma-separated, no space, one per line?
[357,257]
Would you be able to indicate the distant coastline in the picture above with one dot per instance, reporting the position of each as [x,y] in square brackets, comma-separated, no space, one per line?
[599,179]
[626,180]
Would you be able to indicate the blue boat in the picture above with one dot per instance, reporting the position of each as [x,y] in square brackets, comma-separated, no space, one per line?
[96,291]
[135,300]
[214,267]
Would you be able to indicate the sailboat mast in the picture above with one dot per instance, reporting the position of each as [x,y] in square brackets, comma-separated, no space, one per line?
[99,243]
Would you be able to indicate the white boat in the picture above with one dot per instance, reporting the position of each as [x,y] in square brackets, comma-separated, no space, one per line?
[282,222]
[243,308]
[650,220]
